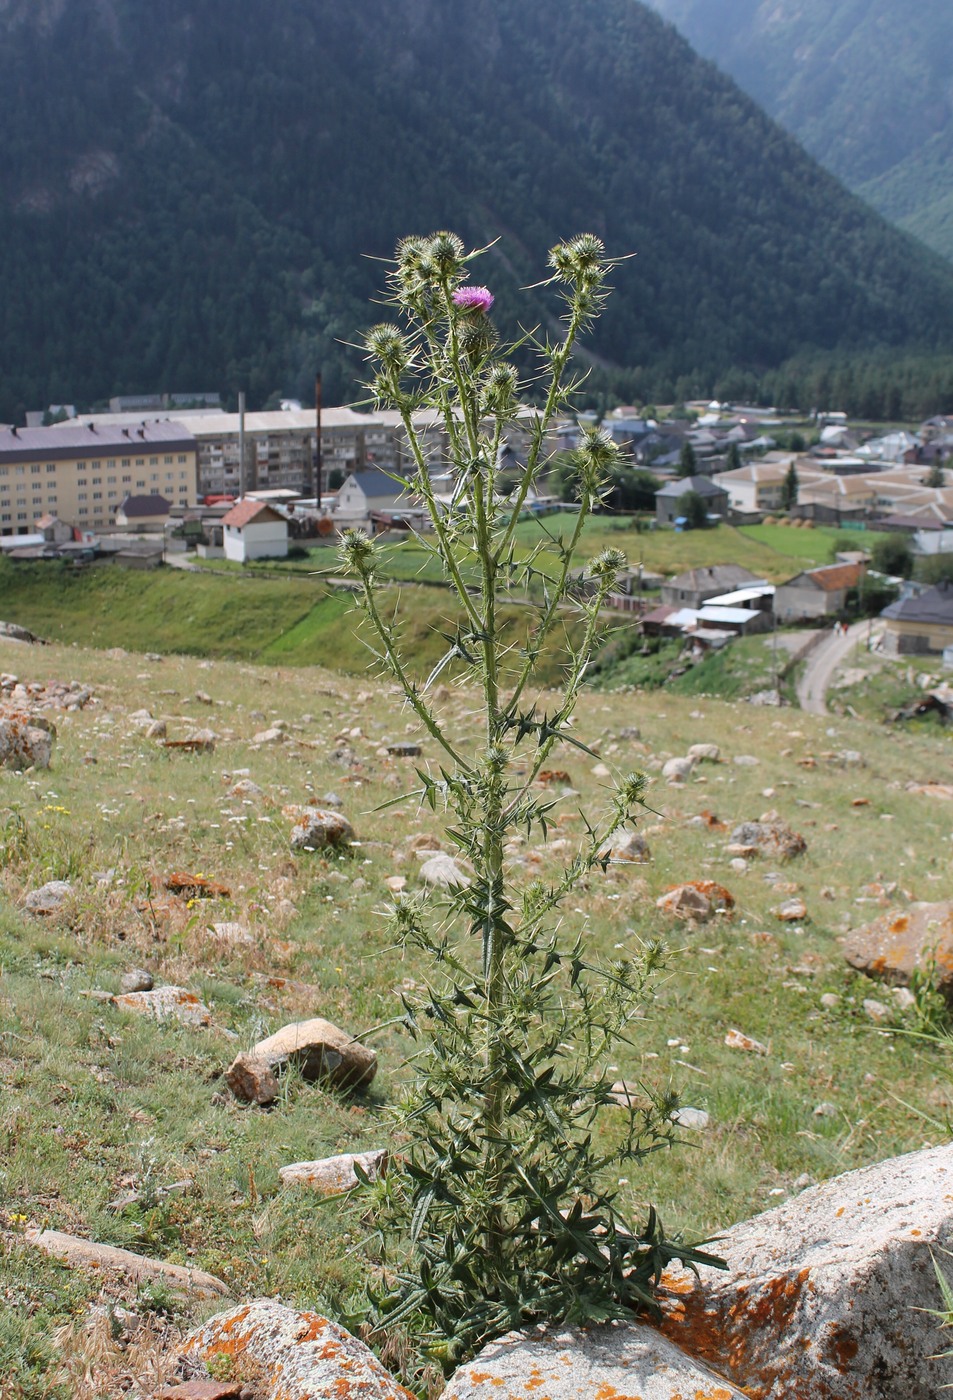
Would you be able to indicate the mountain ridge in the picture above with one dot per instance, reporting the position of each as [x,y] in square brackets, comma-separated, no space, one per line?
[188,198]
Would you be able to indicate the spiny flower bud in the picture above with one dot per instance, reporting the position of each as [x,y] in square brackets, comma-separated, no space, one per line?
[608,564]
[387,344]
[446,253]
[501,388]
[358,554]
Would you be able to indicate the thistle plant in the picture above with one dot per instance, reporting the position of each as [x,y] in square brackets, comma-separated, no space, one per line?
[503,1208]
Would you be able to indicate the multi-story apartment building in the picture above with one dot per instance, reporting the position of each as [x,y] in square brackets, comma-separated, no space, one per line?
[83,473]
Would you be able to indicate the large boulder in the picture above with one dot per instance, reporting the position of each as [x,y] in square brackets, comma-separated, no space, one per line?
[828,1296]
[902,942]
[318,1048]
[614,1362]
[24,744]
[291,1355]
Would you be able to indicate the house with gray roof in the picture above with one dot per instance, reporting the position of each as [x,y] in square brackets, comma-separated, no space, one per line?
[668,496]
[920,624]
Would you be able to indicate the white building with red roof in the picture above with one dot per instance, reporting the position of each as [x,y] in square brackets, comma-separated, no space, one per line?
[254,530]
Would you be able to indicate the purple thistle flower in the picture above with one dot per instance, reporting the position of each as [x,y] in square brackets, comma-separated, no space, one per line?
[478,299]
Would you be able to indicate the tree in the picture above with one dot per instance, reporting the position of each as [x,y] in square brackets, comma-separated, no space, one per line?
[789,488]
[335,479]
[686,460]
[891,554]
[501,1207]
[935,568]
[692,506]
[733,458]
[935,476]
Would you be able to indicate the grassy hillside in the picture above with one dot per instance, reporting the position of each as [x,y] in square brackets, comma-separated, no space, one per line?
[104,1109]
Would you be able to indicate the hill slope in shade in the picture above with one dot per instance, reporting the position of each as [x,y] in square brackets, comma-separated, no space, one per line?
[187,193]
[864,84]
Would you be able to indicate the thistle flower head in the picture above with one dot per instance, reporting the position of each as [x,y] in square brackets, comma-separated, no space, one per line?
[388,344]
[608,564]
[357,553]
[447,254]
[475,299]
[501,388]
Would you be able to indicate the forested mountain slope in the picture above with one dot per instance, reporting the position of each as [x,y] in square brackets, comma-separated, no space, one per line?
[866,85]
[186,193]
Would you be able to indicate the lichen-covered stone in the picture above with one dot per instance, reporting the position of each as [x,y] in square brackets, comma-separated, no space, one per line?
[24,744]
[616,1362]
[828,1296]
[904,941]
[293,1355]
[314,828]
[770,838]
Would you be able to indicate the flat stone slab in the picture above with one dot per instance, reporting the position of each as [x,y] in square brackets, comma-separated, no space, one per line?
[293,1355]
[903,941]
[88,1255]
[332,1175]
[621,1361]
[825,1296]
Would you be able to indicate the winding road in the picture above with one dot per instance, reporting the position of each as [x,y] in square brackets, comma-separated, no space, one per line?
[823,661]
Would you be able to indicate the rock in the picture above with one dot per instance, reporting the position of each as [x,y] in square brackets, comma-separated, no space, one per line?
[676,770]
[826,1110]
[332,1175]
[829,1294]
[737,1040]
[618,1361]
[24,744]
[601,770]
[746,760]
[270,736]
[705,753]
[90,1255]
[443,870]
[317,827]
[691,1118]
[252,1079]
[157,729]
[876,1010]
[902,942]
[48,898]
[231,933]
[625,848]
[245,788]
[404,750]
[739,865]
[395,883]
[187,885]
[791,911]
[293,1355]
[770,838]
[167,1004]
[685,902]
[13,632]
[321,1051]
[423,841]
[904,998]
[137,979]
[205,1390]
[830,1001]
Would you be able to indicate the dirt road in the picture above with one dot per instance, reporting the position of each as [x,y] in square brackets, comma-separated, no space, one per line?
[823,661]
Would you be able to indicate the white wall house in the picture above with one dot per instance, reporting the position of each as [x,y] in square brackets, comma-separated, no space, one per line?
[364,492]
[254,531]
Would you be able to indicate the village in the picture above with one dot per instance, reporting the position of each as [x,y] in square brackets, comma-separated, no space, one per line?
[152,482]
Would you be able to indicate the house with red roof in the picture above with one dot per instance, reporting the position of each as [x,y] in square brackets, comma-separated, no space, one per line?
[254,530]
[817,592]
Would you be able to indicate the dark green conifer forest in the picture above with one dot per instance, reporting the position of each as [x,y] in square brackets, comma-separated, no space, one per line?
[188,193]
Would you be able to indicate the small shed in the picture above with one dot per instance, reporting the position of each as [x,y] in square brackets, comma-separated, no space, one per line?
[253,530]
[144,512]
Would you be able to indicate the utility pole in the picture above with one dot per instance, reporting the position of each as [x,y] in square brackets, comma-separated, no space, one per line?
[241,444]
[319,456]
